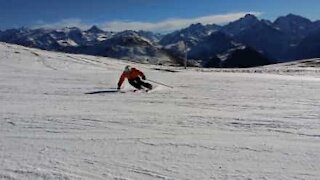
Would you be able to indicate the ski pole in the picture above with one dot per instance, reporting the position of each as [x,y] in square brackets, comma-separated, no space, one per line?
[159,83]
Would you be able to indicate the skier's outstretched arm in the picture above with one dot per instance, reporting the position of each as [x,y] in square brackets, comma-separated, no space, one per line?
[141,75]
[122,78]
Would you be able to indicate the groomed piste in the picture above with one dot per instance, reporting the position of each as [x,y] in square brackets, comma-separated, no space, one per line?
[258,123]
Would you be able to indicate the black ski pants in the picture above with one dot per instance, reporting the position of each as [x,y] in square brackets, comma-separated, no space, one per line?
[137,83]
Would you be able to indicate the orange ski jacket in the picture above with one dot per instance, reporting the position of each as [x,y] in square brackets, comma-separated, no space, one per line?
[133,74]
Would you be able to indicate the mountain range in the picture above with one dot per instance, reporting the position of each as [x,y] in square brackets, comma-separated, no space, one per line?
[246,42]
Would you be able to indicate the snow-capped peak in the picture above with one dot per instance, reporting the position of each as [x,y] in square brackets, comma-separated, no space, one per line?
[94,29]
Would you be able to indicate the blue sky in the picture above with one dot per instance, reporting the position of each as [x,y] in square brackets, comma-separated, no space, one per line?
[154,15]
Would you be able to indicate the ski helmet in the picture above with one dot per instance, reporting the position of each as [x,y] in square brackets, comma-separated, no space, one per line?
[127,68]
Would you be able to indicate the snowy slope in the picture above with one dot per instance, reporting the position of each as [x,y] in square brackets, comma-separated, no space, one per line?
[212,125]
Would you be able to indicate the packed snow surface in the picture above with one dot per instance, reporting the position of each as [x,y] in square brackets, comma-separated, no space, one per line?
[214,124]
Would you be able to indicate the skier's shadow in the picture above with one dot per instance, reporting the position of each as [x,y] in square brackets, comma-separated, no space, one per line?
[102,92]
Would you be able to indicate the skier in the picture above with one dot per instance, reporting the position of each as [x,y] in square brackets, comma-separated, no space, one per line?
[133,75]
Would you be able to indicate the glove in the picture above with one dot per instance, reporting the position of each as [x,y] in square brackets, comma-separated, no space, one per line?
[144,77]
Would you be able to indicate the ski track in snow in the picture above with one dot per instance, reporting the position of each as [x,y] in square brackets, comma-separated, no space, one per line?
[212,125]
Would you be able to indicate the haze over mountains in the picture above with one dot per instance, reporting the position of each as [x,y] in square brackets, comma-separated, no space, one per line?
[246,42]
